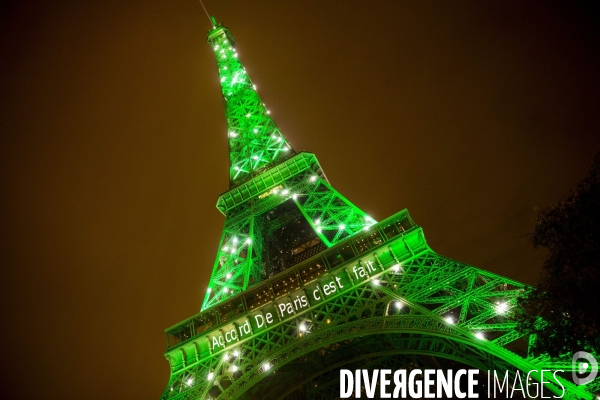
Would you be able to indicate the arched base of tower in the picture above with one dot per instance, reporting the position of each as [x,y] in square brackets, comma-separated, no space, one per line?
[316,375]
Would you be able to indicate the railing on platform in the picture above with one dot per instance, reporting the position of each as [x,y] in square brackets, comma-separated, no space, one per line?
[291,279]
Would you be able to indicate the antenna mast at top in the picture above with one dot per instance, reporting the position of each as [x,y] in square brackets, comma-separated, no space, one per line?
[211,21]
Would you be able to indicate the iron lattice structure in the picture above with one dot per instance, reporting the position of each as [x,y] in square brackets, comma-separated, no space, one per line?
[305,283]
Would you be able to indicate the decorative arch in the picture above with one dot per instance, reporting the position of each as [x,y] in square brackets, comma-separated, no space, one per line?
[412,335]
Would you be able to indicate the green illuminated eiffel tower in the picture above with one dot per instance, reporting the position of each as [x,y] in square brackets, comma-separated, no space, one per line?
[305,283]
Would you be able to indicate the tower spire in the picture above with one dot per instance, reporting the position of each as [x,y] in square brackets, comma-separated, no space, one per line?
[305,282]
[280,209]
[255,142]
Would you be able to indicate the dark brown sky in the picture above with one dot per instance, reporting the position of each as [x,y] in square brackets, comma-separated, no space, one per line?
[113,152]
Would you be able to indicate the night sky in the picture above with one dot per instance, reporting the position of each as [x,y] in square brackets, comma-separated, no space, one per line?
[113,151]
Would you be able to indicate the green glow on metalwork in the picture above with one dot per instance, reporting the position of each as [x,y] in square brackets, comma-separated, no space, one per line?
[252,132]
[365,277]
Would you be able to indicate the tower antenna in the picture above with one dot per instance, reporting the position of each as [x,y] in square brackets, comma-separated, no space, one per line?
[211,21]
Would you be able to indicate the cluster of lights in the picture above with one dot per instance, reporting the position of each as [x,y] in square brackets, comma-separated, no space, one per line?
[319,228]
[318,224]
[238,78]
[501,308]
[235,241]
[256,157]
[231,250]
[286,192]
[368,221]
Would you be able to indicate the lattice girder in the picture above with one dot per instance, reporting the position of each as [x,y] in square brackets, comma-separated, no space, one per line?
[255,142]
[406,271]
[237,260]
[376,293]
[318,371]
[331,216]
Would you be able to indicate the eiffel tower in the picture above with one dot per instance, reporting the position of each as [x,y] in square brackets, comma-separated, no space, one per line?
[305,283]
